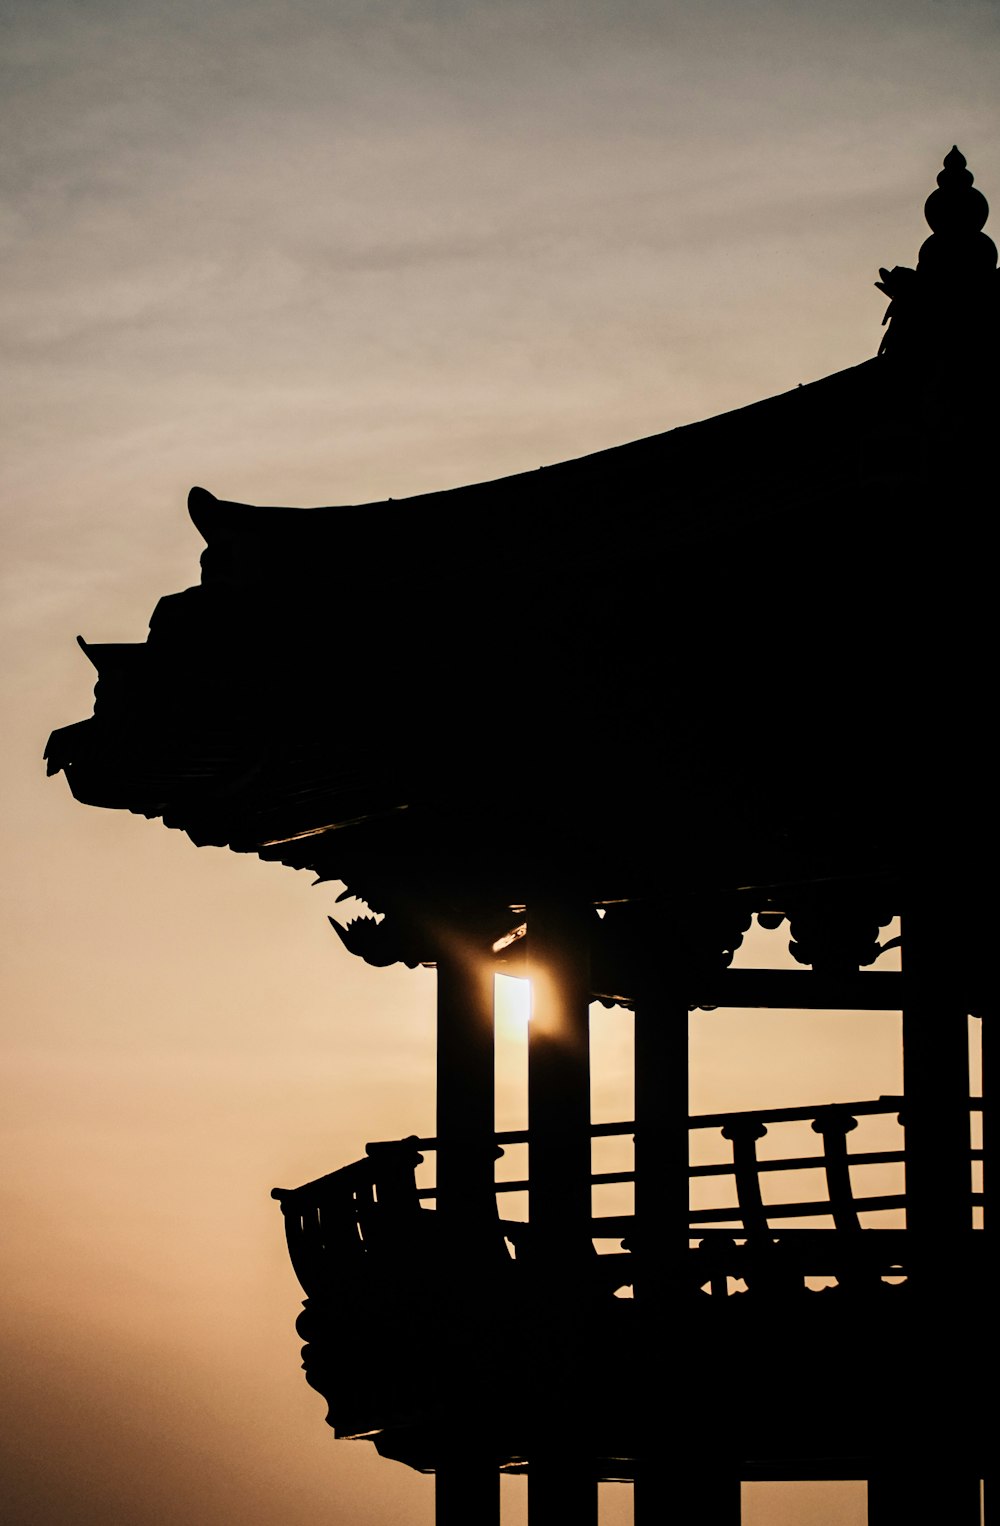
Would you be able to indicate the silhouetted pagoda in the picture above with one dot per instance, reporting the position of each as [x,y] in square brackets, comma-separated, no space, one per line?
[752,662]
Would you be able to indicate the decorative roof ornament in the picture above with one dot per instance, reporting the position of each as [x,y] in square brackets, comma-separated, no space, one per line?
[948,304]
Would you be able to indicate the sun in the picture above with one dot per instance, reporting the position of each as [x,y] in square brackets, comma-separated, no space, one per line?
[512,1002]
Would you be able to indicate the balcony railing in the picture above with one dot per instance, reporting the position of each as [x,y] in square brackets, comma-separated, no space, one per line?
[372,1212]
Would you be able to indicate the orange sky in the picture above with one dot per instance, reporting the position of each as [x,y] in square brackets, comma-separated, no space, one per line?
[301,254]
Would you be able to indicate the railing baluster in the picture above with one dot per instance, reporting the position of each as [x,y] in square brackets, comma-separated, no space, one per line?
[322,1229]
[744,1130]
[374,1206]
[716,1256]
[763,1270]
[833,1124]
[305,1248]
[396,1219]
[341,1236]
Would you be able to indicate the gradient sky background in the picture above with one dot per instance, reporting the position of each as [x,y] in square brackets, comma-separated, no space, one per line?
[322,253]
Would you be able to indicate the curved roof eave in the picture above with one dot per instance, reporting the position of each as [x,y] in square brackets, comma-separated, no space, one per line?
[695,463]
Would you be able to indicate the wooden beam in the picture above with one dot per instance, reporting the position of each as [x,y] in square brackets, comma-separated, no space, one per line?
[866,991]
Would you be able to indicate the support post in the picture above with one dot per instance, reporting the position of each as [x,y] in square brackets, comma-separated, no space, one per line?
[662,1202]
[660,1242]
[562,1483]
[991,1189]
[562,1491]
[467,1490]
[923,1492]
[932,1479]
[991,1214]
[936,1093]
[466,1200]
[710,1495]
[559,1084]
[467,1481]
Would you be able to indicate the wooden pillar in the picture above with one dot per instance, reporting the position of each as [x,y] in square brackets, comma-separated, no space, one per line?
[467,1482]
[562,1491]
[562,1485]
[467,1490]
[991,1188]
[466,1201]
[936,1092]
[559,1084]
[991,1225]
[924,1492]
[710,1496]
[661,1236]
[662,1202]
[931,1479]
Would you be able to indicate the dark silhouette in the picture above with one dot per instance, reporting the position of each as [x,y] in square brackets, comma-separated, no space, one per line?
[778,624]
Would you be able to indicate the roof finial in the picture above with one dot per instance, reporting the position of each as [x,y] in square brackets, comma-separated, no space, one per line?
[955,279]
[956,213]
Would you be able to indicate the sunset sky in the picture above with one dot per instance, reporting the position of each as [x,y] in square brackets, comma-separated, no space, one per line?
[325,253]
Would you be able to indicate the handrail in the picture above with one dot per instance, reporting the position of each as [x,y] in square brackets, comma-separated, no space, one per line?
[375,1206]
[747,1168]
[885,1104]
[727,1120]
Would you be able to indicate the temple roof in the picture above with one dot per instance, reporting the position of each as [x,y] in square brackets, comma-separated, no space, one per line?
[744,652]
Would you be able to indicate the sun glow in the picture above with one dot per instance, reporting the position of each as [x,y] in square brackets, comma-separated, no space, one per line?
[512,1005]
